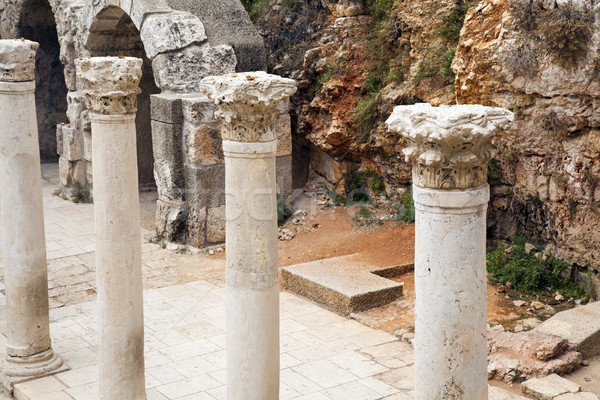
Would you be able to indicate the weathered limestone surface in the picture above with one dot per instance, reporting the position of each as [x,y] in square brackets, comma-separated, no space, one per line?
[523,355]
[110,85]
[580,326]
[549,387]
[449,148]
[539,58]
[28,349]
[247,107]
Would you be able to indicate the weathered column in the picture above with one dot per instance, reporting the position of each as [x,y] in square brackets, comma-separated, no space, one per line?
[28,350]
[449,148]
[111,85]
[247,106]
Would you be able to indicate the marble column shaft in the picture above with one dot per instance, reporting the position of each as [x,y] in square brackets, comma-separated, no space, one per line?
[449,148]
[28,348]
[111,87]
[247,106]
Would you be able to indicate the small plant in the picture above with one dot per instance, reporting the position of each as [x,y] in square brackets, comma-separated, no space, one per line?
[368,114]
[408,211]
[590,291]
[529,273]
[255,8]
[453,21]
[359,184]
[494,172]
[336,198]
[81,195]
[284,210]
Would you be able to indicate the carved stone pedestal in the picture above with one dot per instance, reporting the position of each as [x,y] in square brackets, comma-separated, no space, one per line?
[247,106]
[29,354]
[449,148]
[111,87]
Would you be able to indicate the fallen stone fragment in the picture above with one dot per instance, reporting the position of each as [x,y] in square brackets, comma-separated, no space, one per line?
[519,303]
[549,387]
[496,393]
[528,354]
[538,305]
[580,326]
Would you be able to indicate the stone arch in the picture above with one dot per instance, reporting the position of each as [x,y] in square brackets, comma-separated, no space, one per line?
[36,22]
[112,32]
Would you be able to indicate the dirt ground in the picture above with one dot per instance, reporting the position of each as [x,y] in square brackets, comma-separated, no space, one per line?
[333,232]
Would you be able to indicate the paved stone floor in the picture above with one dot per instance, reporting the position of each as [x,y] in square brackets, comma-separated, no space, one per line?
[323,355]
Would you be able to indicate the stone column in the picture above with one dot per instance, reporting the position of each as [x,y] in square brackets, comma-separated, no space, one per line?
[28,351]
[449,148]
[111,85]
[247,106]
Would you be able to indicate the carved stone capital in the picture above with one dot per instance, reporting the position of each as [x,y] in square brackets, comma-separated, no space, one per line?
[449,146]
[110,84]
[247,103]
[17,60]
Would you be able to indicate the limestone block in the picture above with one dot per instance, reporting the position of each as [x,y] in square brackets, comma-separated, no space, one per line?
[348,8]
[138,9]
[182,70]
[166,107]
[64,171]
[171,220]
[549,387]
[167,32]
[284,175]
[205,185]
[78,173]
[76,104]
[198,110]
[226,22]
[70,77]
[85,121]
[59,139]
[215,225]
[168,160]
[196,225]
[577,396]
[283,128]
[203,144]
[580,326]
[17,60]
[72,144]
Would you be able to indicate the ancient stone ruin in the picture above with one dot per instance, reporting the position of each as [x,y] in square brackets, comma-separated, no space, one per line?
[178,146]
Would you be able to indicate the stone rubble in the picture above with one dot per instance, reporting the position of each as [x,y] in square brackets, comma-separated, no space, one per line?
[528,354]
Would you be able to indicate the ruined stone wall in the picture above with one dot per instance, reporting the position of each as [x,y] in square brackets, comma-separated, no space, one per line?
[540,59]
[178,140]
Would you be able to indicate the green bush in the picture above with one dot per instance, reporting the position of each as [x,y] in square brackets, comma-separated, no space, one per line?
[368,114]
[408,206]
[528,273]
[284,210]
[359,184]
[494,172]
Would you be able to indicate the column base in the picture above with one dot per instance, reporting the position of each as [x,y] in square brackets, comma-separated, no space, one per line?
[15,370]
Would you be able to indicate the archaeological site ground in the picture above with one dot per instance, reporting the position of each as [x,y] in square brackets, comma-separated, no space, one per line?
[299,199]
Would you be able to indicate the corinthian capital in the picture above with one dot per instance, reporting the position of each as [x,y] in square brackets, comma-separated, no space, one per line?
[247,103]
[449,146]
[110,84]
[17,60]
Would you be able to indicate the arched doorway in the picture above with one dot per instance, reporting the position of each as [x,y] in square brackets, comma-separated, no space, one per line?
[114,34]
[37,23]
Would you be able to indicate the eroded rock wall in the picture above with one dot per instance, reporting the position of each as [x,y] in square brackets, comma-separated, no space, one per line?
[540,59]
[331,48]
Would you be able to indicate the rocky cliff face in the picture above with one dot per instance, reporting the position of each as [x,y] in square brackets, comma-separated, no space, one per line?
[354,61]
[540,59]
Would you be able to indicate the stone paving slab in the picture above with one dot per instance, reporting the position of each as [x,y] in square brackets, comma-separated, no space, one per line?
[323,355]
[549,387]
[580,326]
[496,393]
[343,284]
